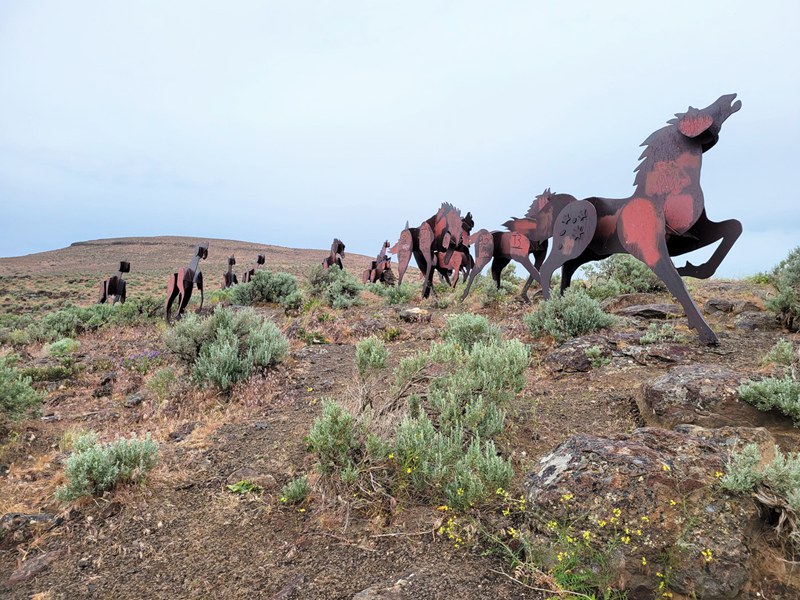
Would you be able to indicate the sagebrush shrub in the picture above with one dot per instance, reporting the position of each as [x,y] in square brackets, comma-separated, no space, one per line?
[93,468]
[63,347]
[621,274]
[781,394]
[786,279]
[224,347]
[17,396]
[71,320]
[267,286]
[333,438]
[467,330]
[295,491]
[661,332]
[781,475]
[371,355]
[781,353]
[335,286]
[568,315]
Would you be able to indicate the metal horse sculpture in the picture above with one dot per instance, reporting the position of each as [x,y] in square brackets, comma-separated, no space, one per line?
[114,288]
[439,235]
[180,284]
[248,275]
[336,255]
[570,221]
[229,278]
[666,215]
[380,269]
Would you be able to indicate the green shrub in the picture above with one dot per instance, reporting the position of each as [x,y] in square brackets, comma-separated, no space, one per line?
[224,348]
[782,394]
[786,279]
[371,355]
[661,332]
[333,438]
[48,372]
[334,286]
[596,357]
[63,347]
[161,383]
[17,397]
[781,475]
[71,320]
[571,314]
[396,294]
[295,491]
[94,468]
[245,486]
[266,286]
[621,274]
[467,330]
[782,353]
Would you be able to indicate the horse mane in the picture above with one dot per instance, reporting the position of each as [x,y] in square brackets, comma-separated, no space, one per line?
[446,208]
[539,203]
[654,148]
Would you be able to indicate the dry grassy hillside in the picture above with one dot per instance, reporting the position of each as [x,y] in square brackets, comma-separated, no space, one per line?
[634,507]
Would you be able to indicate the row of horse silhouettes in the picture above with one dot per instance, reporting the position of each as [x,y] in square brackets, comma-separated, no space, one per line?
[664,217]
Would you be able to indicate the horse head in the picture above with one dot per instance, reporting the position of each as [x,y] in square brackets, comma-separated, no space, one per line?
[231,261]
[704,124]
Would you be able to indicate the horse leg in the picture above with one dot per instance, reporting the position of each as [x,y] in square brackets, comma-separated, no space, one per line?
[200,288]
[498,264]
[172,293]
[122,291]
[480,262]
[103,292]
[525,261]
[641,233]
[704,233]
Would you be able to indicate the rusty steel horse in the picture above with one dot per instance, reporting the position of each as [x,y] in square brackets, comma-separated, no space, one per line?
[336,255]
[248,275]
[380,269]
[560,216]
[229,278]
[666,214]
[115,288]
[180,284]
[432,244]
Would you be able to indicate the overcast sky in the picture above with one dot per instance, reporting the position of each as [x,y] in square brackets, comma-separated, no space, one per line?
[293,122]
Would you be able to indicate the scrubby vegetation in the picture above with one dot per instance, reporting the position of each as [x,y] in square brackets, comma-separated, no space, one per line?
[93,468]
[334,286]
[570,314]
[782,394]
[266,286]
[661,332]
[71,320]
[442,449]
[621,274]
[467,329]
[371,355]
[786,279]
[224,348]
[17,396]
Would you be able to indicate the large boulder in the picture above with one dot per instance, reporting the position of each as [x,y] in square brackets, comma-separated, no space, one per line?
[706,395]
[649,504]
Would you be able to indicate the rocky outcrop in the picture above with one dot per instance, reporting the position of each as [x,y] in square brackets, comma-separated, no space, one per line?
[652,311]
[650,503]
[757,321]
[571,355]
[706,395]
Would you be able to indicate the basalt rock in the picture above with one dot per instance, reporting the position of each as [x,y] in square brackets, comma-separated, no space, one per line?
[648,495]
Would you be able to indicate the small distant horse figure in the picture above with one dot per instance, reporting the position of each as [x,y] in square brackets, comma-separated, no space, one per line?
[666,215]
[229,278]
[248,275]
[180,284]
[336,255]
[380,269]
[114,288]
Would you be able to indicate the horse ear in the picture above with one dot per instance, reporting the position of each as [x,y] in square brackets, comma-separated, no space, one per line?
[694,122]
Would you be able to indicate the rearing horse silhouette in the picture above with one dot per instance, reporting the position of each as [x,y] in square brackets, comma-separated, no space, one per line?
[666,215]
